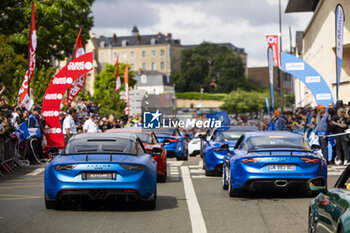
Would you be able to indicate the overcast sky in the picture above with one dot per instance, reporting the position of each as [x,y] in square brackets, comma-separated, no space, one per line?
[244,23]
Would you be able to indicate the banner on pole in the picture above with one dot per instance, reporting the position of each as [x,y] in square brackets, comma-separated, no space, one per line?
[54,94]
[117,80]
[274,43]
[267,105]
[339,35]
[23,91]
[126,81]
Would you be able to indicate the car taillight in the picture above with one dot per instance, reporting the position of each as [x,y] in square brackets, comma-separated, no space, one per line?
[129,191]
[133,167]
[252,160]
[172,140]
[309,160]
[67,167]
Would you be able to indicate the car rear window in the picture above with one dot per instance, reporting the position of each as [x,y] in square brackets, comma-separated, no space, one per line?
[119,145]
[145,138]
[262,142]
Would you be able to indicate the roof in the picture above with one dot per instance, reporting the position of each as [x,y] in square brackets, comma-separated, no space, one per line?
[227,44]
[103,136]
[241,128]
[272,133]
[301,5]
[153,78]
[135,40]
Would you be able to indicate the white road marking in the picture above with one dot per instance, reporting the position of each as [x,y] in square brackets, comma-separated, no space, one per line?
[36,172]
[175,163]
[197,220]
[334,173]
[197,171]
[204,177]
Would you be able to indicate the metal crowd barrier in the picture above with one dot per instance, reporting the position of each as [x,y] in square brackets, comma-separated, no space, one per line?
[9,154]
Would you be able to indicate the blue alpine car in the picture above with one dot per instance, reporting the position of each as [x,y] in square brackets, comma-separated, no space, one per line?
[174,143]
[103,167]
[214,149]
[273,160]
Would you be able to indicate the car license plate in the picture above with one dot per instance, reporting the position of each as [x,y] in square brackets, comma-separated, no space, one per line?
[98,176]
[282,167]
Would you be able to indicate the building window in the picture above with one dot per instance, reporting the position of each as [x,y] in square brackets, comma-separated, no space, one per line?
[162,65]
[102,56]
[162,52]
[143,66]
[153,53]
[132,66]
[154,66]
[143,78]
[124,55]
[132,54]
[115,55]
[143,53]
[103,44]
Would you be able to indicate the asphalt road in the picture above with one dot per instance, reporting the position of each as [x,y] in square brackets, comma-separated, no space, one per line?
[187,202]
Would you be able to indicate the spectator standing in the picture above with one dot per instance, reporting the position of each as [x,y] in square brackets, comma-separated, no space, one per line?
[322,130]
[339,124]
[35,132]
[280,122]
[69,128]
[90,125]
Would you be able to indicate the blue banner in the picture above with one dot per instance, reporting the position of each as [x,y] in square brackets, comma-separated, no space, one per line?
[309,76]
[22,131]
[219,116]
[267,105]
[339,35]
[270,64]
[271,126]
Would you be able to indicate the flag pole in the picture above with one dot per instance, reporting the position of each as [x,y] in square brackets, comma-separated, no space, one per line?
[280,76]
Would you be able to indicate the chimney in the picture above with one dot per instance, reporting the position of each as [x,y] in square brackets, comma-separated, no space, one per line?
[159,34]
[138,38]
[169,35]
[114,37]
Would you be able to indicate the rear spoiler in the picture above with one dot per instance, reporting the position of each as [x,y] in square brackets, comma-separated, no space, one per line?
[271,151]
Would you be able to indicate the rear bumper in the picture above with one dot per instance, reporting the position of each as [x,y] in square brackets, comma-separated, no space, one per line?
[275,184]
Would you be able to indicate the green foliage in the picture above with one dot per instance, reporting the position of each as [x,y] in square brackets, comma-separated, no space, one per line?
[41,80]
[104,88]
[196,96]
[210,63]
[57,26]
[12,69]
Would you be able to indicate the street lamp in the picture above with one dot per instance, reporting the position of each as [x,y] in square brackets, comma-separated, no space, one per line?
[202,89]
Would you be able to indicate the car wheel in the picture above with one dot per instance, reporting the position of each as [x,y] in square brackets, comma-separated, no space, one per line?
[201,150]
[310,223]
[204,162]
[50,204]
[232,191]
[151,205]
[224,181]
[162,178]
[210,173]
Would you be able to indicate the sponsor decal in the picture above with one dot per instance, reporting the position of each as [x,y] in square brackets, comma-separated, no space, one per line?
[53,131]
[312,79]
[323,96]
[62,81]
[51,113]
[53,96]
[152,120]
[79,65]
[295,66]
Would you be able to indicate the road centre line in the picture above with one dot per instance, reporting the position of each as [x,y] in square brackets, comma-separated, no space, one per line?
[36,171]
[23,186]
[197,220]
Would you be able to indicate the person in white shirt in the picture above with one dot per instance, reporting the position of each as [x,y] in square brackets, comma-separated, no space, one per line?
[69,128]
[90,125]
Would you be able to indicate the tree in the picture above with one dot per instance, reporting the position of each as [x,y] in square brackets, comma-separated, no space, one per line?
[104,88]
[210,63]
[57,26]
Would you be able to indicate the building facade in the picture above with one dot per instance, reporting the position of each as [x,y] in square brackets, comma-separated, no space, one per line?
[318,44]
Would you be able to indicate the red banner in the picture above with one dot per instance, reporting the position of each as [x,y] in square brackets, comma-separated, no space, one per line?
[273,41]
[78,84]
[23,91]
[126,81]
[54,94]
[117,78]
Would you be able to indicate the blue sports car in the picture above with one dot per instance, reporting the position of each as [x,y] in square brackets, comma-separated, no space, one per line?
[214,149]
[174,143]
[104,167]
[271,160]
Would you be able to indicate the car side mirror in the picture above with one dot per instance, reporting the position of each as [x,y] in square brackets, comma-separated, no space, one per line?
[53,151]
[156,151]
[315,147]
[225,147]
[203,137]
[166,142]
[317,184]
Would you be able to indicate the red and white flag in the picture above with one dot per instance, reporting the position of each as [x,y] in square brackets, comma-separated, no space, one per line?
[79,83]
[274,43]
[24,98]
[117,81]
[126,96]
